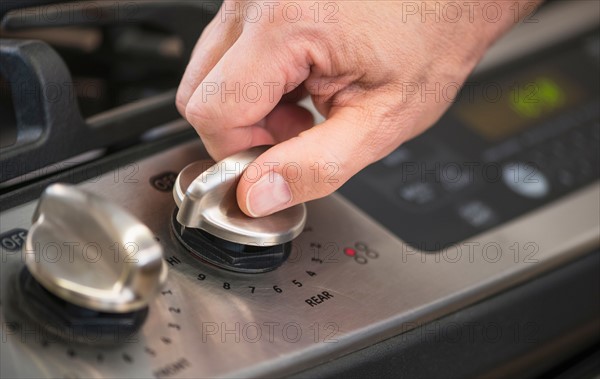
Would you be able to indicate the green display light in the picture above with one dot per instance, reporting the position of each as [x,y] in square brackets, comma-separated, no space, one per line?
[538,97]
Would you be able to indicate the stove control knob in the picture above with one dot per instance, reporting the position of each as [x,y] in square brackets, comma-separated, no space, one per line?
[206,198]
[89,252]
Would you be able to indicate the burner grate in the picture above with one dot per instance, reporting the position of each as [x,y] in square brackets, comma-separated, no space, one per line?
[62,99]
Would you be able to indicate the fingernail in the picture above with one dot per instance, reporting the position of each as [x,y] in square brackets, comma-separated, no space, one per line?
[270,194]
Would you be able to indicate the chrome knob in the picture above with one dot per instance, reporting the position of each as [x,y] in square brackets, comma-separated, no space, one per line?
[92,253]
[206,198]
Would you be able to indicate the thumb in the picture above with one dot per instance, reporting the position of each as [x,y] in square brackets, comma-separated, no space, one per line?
[312,165]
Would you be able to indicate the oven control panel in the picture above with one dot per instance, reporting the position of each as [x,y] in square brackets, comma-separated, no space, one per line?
[513,141]
[347,283]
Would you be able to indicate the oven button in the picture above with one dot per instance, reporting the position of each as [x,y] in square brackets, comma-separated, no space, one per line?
[477,213]
[525,180]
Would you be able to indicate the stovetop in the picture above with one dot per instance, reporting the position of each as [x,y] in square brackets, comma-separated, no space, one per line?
[352,279]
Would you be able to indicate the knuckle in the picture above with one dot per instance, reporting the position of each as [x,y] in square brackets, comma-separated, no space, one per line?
[200,118]
[181,103]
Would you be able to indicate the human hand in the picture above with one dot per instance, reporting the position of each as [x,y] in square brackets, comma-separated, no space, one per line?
[356,59]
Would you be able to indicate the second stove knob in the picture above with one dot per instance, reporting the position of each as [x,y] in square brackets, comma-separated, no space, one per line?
[92,253]
[91,269]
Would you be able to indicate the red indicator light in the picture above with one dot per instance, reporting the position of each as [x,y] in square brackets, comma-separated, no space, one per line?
[349,251]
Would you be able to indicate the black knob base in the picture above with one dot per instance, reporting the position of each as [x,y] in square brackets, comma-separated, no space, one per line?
[55,318]
[229,255]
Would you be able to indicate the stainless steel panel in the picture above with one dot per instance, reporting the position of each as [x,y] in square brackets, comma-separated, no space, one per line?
[255,325]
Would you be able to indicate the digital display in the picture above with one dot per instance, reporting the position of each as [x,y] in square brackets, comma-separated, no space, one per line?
[500,111]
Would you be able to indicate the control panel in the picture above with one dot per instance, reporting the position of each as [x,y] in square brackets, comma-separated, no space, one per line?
[513,141]
[346,283]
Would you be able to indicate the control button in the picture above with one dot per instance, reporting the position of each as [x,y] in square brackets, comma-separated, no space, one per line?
[419,193]
[477,213]
[91,269]
[90,252]
[206,199]
[210,224]
[525,180]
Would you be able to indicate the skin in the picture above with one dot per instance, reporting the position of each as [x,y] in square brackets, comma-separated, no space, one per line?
[356,59]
